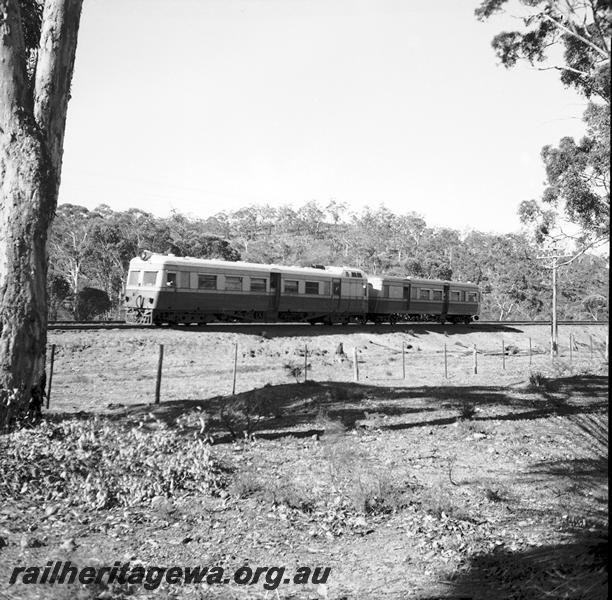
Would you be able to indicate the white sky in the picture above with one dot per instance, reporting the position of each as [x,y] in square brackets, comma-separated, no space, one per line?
[210,105]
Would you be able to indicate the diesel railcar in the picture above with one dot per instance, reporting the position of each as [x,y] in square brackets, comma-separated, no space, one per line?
[167,289]
[393,299]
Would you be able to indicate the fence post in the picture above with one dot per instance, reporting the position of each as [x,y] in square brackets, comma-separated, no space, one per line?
[530,357]
[475,360]
[160,362]
[571,345]
[355,364]
[235,367]
[445,363]
[503,355]
[50,375]
[591,345]
[305,362]
[403,360]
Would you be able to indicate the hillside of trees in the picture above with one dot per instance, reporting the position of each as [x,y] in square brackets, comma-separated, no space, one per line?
[90,251]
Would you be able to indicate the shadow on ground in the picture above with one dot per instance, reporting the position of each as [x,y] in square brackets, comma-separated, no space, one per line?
[306,409]
[576,569]
[281,330]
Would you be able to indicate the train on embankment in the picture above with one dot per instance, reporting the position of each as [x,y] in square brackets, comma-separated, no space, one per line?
[163,288]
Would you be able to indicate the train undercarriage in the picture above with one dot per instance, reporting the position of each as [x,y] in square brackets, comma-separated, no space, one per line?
[148,316]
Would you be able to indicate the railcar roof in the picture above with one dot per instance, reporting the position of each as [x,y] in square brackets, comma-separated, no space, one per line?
[162,260]
[411,280]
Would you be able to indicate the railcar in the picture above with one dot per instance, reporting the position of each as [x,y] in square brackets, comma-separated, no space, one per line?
[167,289]
[392,299]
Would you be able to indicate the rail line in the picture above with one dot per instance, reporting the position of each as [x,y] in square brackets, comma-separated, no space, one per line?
[93,325]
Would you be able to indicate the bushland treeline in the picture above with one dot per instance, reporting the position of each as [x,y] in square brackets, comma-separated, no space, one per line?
[90,251]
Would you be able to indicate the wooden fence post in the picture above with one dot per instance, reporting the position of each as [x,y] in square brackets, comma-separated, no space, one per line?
[571,346]
[445,363]
[50,375]
[235,368]
[305,362]
[160,363]
[403,360]
[355,364]
[475,360]
[591,345]
[530,353]
[503,355]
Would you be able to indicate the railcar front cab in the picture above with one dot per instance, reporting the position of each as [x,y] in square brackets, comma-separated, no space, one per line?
[142,288]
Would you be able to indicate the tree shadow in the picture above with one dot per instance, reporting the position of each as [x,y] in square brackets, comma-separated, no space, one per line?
[577,568]
[302,409]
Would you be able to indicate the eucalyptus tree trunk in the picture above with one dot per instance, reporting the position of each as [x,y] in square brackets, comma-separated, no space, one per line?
[32,124]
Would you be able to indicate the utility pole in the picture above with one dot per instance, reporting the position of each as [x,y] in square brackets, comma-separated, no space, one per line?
[554,328]
[554,347]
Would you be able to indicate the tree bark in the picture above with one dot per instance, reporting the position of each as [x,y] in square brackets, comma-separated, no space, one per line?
[32,124]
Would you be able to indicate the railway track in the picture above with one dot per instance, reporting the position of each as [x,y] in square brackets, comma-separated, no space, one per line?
[85,325]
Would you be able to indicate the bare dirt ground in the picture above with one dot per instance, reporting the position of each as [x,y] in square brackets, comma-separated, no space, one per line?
[487,485]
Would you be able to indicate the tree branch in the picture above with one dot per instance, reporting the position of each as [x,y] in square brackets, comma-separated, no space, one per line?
[584,40]
[594,244]
[598,26]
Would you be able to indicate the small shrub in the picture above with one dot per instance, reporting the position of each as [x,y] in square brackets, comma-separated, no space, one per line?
[493,495]
[537,379]
[291,494]
[294,370]
[245,484]
[467,412]
[439,502]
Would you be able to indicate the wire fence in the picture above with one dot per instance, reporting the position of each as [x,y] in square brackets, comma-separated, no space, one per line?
[86,377]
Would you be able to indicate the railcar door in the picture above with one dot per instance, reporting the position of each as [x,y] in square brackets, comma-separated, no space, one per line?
[336,293]
[275,291]
[407,291]
[445,300]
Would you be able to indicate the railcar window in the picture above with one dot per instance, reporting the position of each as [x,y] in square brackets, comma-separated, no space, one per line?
[472,297]
[385,291]
[437,294]
[311,287]
[233,284]
[207,282]
[291,286]
[133,277]
[423,294]
[325,288]
[149,277]
[258,284]
[455,296]
[185,279]
[171,279]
